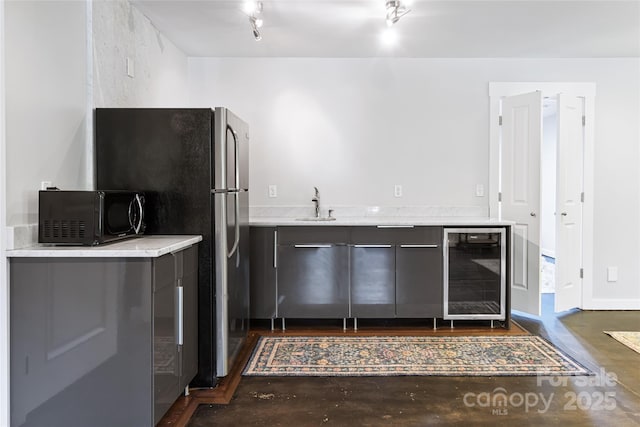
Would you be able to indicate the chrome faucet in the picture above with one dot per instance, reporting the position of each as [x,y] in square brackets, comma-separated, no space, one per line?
[316,200]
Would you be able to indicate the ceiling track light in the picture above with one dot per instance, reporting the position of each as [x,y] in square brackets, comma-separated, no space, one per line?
[395,10]
[254,9]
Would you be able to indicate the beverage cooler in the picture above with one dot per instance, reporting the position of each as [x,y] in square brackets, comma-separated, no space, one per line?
[474,273]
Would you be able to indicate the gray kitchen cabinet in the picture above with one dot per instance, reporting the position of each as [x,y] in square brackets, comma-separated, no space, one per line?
[189,348]
[263,273]
[419,280]
[373,281]
[112,338]
[175,345]
[348,271]
[373,267]
[398,272]
[313,272]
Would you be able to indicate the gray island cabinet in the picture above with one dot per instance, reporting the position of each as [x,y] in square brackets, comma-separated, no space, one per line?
[102,336]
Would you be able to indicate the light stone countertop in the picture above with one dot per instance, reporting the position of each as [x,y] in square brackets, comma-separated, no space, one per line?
[382,221]
[135,247]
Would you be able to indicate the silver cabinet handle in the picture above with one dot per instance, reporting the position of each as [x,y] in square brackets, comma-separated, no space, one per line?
[395,226]
[180,314]
[313,246]
[418,246]
[371,246]
[275,248]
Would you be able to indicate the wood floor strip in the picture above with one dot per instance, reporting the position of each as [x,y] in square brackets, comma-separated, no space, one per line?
[181,411]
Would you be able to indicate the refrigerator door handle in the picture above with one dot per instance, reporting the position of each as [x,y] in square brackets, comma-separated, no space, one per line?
[236,160]
[236,213]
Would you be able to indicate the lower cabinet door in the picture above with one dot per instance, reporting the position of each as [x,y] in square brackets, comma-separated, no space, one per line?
[419,281]
[262,275]
[189,347]
[373,280]
[166,362]
[313,281]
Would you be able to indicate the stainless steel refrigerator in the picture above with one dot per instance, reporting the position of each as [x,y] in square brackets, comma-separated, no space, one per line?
[192,165]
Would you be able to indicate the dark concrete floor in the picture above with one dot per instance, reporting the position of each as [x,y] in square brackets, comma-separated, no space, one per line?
[422,401]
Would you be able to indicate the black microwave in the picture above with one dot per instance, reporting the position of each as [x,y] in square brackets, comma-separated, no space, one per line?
[89,217]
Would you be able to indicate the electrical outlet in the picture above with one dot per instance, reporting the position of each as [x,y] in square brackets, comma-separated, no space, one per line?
[397,190]
[479,190]
[45,184]
[273,190]
[612,274]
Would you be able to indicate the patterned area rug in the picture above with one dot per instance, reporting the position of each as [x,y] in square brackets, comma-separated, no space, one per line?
[394,356]
[629,338]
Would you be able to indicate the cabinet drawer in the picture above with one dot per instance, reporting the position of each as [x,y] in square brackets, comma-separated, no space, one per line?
[397,235]
[313,235]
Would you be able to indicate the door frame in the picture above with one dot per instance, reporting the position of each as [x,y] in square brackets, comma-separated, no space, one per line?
[499,90]
[4,273]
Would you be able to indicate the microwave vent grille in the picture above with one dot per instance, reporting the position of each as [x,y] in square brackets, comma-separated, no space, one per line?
[64,228]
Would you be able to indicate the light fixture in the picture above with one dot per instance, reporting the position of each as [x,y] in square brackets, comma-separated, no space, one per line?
[254,9]
[255,24]
[389,37]
[395,10]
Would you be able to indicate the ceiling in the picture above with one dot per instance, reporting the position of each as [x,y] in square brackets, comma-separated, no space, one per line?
[433,29]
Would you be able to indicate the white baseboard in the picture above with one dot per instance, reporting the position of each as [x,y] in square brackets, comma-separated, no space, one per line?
[612,304]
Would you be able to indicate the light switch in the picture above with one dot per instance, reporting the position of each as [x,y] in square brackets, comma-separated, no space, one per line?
[612,274]
[131,72]
[273,190]
[479,190]
[397,190]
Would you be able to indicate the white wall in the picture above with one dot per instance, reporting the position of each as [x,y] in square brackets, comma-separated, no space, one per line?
[45,67]
[120,31]
[548,184]
[50,86]
[355,127]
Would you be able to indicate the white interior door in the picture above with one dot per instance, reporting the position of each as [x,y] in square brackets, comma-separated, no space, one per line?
[521,141]
[569,203]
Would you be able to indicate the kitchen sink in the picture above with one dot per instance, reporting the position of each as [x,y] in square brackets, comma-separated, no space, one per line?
[313,218]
